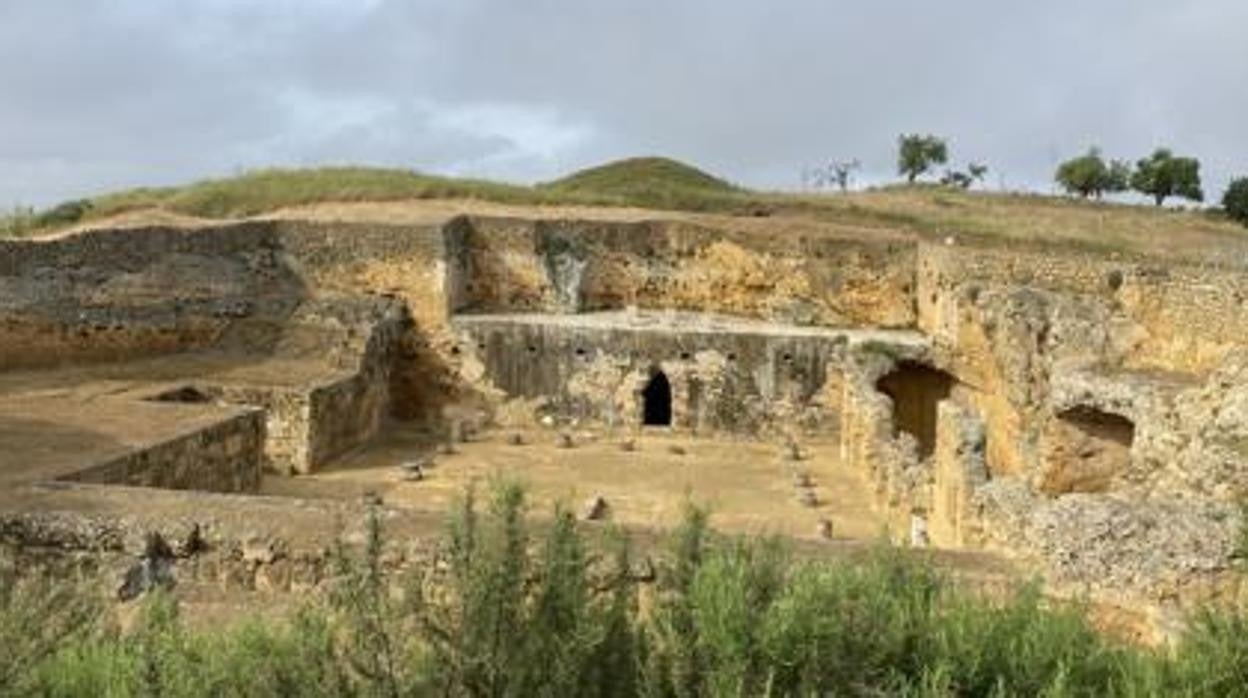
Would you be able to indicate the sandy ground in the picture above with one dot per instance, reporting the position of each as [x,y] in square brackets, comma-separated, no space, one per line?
[749,486]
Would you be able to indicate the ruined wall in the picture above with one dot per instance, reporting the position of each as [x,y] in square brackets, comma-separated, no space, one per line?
[1034,335]
[720,380]
[116,294]
[509,265]
[1161,313]
[225,457]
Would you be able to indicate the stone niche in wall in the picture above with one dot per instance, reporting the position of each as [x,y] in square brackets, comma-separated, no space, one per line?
[1085,449]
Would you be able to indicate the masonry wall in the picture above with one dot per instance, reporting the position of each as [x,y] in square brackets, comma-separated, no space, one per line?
[225,457]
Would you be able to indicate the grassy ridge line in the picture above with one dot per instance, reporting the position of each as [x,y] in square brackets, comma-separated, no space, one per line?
[931,211]
[644,182]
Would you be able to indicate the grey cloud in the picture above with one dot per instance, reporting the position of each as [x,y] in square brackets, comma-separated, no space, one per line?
[98,95]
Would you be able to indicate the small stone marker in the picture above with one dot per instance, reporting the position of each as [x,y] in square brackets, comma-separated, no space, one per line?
[414,470]
[793,452]
[824,529]
[595,509]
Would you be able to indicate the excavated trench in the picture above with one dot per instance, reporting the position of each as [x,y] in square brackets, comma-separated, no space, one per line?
[1011,401]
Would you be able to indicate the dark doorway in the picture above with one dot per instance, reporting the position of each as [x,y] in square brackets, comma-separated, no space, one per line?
[915,390]
[657,401]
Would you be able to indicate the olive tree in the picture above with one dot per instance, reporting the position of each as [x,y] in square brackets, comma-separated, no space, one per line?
[1090,175]
[1162,175]
[916,154]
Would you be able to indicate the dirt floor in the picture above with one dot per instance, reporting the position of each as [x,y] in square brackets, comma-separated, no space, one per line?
[749,486]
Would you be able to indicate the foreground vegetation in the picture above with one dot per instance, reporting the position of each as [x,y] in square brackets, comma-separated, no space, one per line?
[524,610]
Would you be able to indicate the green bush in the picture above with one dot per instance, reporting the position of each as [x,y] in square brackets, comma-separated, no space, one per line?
[1235,200]
[523,610]
[65,213]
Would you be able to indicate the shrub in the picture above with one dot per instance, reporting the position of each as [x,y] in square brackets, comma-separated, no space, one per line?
[521,610]
[1235,200]
[65,213]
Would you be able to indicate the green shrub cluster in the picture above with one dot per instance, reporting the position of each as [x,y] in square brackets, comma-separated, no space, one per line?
[516,609]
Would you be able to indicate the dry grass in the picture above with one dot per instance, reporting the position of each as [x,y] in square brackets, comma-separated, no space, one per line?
[656,184]
[1045,221]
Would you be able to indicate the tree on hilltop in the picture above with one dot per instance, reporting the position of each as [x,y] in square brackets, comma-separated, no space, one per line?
[975,172]
[1090,175]
[1235,200]
[916,154]
[1162,175]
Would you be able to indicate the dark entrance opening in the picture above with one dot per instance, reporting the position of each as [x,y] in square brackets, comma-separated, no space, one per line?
[657,401]
[915,390]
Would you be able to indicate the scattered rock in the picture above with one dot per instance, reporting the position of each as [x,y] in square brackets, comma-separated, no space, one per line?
[802,480]
[643,570]
[516,439]
[629,445]
[415,469]
[372,499]
[808,498]
[260,550]
[548,421]
[153,570]
[676,450]
[566,440]
[596,509]
[412,472]
[193,544]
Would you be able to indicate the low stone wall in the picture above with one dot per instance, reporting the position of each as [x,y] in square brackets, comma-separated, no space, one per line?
[225,457]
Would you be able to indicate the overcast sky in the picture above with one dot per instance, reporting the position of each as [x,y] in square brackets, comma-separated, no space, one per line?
[100,94]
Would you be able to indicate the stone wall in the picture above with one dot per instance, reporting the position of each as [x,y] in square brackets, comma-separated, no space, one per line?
[723,375]
[117,294]
[510,265]
[1161,313]
[225,457]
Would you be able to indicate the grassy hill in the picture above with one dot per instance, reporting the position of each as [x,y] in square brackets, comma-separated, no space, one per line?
[658,183]
[651,182]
